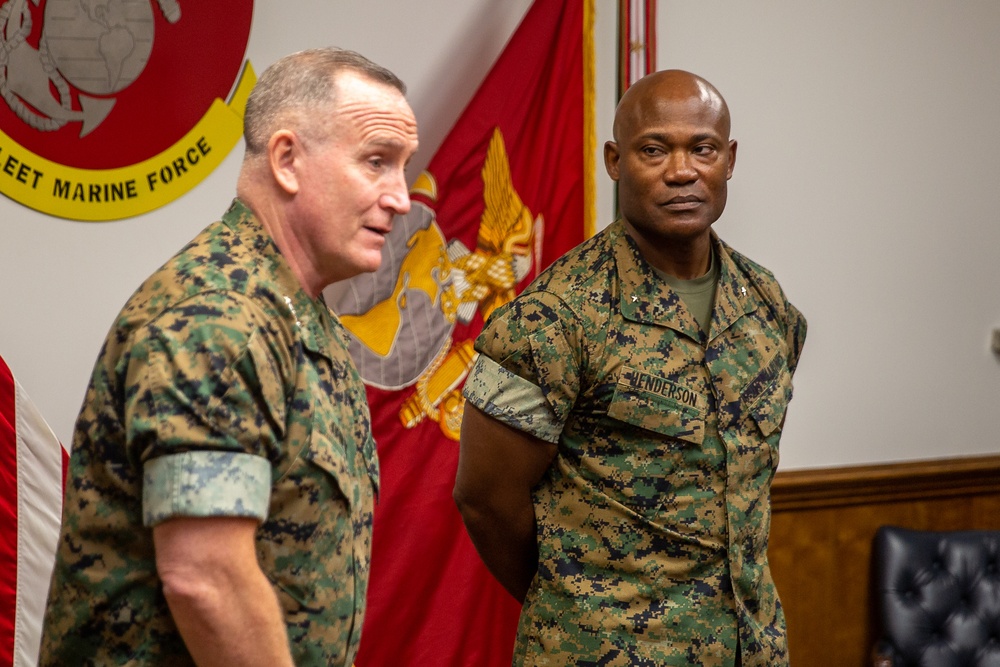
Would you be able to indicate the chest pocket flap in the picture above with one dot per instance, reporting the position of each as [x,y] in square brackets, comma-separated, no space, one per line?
[657,404]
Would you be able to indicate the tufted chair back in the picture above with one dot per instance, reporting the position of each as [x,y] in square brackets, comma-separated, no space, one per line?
[937,598]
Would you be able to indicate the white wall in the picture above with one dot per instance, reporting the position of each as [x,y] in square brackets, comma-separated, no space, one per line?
[866,180]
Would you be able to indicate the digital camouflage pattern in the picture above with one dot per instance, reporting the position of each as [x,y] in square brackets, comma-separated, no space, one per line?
[652,523]
[232,393]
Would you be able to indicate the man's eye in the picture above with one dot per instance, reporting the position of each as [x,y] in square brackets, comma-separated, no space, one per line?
[376,162]
[652,150]
[703,150]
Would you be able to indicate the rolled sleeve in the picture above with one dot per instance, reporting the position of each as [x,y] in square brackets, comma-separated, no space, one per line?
[205,484]
[796,336]
[511,399]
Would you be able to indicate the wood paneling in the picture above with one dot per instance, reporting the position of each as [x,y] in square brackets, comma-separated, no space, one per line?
[822,527]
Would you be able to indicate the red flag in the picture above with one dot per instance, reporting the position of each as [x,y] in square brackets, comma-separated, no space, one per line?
[32,471]
[509,190]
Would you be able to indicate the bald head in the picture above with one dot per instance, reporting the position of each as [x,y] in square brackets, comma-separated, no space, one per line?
[647,96]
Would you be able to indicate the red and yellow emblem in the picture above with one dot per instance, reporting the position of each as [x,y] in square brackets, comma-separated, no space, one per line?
[401,320]
[113,108]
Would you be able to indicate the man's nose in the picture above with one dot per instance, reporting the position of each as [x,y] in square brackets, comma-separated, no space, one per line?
[396,197]
[679,168]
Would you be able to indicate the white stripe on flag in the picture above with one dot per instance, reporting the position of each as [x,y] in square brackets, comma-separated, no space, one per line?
[39,509]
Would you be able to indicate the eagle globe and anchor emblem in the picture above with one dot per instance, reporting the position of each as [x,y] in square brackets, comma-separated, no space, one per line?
[401,318]
[88,62]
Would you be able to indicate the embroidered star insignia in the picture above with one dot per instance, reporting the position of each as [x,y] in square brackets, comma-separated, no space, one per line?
[634,298]
[288,300]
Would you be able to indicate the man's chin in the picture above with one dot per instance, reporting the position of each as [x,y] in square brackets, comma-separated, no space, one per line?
[372,262]
[677,229]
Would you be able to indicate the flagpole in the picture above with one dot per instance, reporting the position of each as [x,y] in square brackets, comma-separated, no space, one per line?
[636,47]
[589,124]
[636,41]
[650,36]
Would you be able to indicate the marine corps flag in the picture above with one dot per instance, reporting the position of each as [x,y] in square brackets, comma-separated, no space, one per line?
[509,190]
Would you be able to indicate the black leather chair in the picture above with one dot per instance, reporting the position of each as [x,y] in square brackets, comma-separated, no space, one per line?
[937,598]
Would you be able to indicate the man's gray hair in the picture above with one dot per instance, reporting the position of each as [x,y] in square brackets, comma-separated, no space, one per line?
[300,84]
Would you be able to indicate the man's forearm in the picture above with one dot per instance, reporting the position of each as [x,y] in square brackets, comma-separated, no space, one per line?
[223,604]
[507,545]
[498,466]
[239,623]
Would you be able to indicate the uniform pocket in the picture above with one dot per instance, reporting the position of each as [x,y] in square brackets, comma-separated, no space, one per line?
[656,404]
[311,512]
[641,456]
[329,456]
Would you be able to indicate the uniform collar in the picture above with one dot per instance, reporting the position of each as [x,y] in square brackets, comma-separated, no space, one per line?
[734,295]
[646,298]
[310,317]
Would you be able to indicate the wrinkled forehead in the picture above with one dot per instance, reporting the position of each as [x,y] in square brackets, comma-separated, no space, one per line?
[372,107]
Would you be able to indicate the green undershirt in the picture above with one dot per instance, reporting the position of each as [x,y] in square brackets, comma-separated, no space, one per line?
[698,294]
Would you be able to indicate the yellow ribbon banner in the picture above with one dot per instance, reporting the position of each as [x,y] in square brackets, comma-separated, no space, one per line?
[112,194]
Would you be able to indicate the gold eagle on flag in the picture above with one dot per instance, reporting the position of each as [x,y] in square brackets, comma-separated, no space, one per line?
[489,276]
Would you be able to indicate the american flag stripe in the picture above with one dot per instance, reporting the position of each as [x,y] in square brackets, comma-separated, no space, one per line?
[32,464]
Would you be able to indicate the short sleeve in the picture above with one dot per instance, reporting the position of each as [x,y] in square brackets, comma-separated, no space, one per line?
[511,399]
[530,377]
[205,394]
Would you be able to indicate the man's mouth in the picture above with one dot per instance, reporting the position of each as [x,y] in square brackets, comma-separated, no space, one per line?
[381,231]
[683,203]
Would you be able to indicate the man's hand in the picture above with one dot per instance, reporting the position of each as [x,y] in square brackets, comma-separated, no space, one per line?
[498,466]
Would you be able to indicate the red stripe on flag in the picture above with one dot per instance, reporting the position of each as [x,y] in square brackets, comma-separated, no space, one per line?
[8,514]
[626,52]
[650,36]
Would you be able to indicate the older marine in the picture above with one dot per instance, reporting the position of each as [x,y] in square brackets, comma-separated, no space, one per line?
[219,502]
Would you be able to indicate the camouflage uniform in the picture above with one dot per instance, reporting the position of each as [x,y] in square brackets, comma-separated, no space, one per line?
[223,389]
[652,523]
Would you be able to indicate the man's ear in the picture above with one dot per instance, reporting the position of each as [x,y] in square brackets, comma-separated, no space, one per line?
[732,159]
[284,153]
[611,156]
